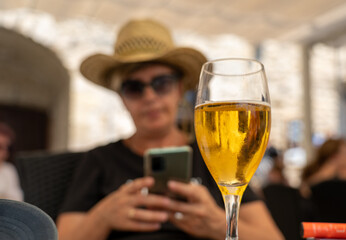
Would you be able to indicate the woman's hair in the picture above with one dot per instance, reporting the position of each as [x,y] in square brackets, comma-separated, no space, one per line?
[323,154]
[7,131]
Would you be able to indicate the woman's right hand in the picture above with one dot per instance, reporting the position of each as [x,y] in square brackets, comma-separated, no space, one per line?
[129,209]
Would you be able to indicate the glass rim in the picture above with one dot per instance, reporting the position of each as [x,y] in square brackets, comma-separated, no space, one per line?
[261,66]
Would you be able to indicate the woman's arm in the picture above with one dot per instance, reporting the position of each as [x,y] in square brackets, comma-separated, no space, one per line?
[76,225]
[255,222]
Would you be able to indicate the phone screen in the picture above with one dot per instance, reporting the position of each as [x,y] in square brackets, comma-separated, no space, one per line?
[164,164]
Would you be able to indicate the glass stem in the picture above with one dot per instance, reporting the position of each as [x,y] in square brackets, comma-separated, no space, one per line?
[232,204]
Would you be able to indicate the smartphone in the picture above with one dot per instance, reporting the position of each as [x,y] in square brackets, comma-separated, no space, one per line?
[164,164]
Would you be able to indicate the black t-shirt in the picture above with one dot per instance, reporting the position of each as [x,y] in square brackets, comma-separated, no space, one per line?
[104,169]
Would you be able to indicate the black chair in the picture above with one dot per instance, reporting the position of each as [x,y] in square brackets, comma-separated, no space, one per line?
[45,178]
[287,208]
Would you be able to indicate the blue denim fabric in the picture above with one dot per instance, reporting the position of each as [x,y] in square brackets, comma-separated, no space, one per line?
[23,221]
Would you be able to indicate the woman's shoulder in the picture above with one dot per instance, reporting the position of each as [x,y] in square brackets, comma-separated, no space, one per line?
[109,152]
[109,147]
[103,152]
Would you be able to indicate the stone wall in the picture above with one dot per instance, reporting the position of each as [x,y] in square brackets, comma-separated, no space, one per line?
[97,116]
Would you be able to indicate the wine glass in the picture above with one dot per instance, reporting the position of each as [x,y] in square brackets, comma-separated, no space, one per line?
[232,124]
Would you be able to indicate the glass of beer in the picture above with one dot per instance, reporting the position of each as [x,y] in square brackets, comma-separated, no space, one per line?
[232,124]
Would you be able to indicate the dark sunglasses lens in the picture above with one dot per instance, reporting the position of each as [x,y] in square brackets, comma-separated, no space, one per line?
[132,89]
[163,84]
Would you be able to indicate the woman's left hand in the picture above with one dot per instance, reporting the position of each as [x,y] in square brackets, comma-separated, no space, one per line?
[199,216]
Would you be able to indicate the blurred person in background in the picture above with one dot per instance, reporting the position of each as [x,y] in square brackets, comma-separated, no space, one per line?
[105,200]
[9,180]
[324,181]
[285,203]
[270,171]
[328,164]
[276,173]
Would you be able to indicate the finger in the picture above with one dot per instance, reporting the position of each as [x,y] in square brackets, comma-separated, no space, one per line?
[180,220]
[185,208]
[192,192]
[144,226]
[177,217]
[138,184]
[145,215]
[152,201]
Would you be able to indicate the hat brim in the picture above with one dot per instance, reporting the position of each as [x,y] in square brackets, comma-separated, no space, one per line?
[188,60]
[21,221]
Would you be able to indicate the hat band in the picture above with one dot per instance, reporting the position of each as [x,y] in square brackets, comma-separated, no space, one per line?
[140,45]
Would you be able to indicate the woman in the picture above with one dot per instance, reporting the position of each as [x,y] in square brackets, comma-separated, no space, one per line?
[329,164]
[324,182]
[9,180]
[106,200]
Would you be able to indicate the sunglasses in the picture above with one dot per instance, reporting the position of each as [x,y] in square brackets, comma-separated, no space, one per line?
[161,84]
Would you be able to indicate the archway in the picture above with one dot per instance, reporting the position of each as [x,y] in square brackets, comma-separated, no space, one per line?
[33,82]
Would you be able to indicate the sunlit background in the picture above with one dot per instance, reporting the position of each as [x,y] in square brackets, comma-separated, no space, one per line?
[53,108]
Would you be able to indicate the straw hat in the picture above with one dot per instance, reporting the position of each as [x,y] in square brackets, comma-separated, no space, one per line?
[142,41]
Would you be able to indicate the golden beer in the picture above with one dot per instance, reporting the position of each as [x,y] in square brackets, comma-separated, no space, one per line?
[232,137]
